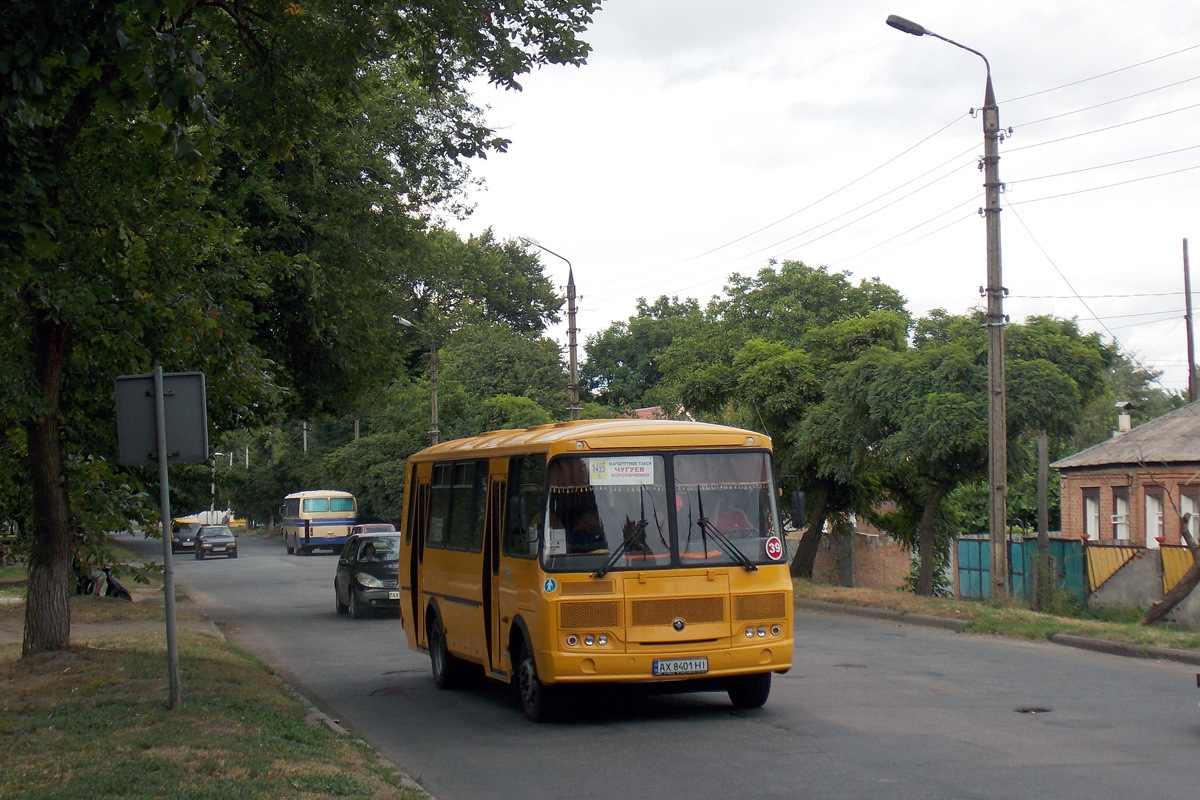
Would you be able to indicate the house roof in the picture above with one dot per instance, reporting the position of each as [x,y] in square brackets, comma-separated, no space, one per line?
[1172,438]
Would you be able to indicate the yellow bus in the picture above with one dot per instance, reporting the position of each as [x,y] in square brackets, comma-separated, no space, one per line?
[621,551]
[318,518]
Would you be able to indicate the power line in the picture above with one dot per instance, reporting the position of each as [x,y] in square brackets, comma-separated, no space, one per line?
[831,194]
[1106,186]
[1106,103]
[1101,75]
[1106,166]
[1101,130]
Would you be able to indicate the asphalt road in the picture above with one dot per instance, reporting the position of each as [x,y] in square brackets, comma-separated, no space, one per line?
[872,709]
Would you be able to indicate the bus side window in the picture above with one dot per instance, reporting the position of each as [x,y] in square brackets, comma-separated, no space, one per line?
[526,505]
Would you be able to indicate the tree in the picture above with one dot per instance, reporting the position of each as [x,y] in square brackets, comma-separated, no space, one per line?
[814,321]
[113,104]
[491,360]
[621,368]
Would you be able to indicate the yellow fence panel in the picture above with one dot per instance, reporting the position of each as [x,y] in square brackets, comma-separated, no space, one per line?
[1176,560]
[1104,561]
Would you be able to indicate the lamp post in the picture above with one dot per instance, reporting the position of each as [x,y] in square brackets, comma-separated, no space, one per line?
[573,384]
[212,484]
[433,380]
[997,427]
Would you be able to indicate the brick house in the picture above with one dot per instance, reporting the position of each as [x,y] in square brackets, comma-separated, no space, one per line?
[1136,487]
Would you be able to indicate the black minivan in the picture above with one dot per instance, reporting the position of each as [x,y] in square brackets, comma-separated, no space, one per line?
[368,574]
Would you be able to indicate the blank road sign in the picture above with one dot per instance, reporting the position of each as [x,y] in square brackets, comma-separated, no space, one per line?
[184,410]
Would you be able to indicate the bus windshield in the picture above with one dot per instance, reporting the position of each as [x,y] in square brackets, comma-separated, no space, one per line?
[660,511]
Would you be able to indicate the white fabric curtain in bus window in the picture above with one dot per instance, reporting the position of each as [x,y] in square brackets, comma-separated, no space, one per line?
[729,495]
[316,505]
[600,505]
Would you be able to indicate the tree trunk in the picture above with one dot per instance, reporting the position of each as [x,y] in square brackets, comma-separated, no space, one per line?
[47,612]
[1186,584]
[806,553]
[926,545]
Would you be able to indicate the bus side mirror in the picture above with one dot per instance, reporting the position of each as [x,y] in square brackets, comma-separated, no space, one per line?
[797,508]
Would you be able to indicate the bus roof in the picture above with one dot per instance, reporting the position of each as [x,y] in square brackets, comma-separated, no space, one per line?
[318,493]
[599,435]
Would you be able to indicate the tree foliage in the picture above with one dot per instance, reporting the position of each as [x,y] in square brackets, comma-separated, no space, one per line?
[222,187]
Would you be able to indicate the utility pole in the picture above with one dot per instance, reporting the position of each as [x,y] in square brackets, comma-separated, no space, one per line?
[997,401]
[997,405]
[572,346]
[1187,304]
[572,330]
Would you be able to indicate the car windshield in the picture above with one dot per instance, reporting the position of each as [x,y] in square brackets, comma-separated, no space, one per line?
[380,548]
[221,532]
[657,511]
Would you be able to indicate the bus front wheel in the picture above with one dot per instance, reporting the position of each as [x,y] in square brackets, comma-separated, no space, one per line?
[537,699]
[749,691]
[288,544]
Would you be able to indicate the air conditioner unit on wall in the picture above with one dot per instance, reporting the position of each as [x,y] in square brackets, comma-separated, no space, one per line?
[1118,519]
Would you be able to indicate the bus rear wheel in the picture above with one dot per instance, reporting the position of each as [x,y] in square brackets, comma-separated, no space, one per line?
[536,698]
[749,691]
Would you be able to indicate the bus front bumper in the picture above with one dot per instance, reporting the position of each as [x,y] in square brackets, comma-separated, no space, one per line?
[596,665]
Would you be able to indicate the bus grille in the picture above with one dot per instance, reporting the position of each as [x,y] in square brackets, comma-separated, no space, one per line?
[690,609]
[576,588]
[760,606]
[578,615]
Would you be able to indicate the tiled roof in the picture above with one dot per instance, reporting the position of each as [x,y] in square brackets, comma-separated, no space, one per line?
[1172,438]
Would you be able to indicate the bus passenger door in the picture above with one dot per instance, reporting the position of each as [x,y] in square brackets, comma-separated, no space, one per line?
[418,524]
[497,488]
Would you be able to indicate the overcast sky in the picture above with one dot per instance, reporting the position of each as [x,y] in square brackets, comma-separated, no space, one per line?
[707,137]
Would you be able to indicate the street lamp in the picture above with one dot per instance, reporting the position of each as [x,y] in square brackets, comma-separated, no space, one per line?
[433,404]
[997,426]
[573,384]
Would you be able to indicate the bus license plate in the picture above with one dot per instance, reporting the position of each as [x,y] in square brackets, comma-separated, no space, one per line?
[393,595]
[679,666]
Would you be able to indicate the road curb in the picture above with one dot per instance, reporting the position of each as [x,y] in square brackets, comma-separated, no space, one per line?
[1125,649]
[926,620]
[957,625]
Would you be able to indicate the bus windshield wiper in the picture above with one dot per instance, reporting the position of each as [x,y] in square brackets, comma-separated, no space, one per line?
[639,532]
[723,541]
[727,545]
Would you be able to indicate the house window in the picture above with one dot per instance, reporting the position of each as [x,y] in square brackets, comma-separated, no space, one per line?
[1091,513]
[1120,512]
[1154,517]
[1189,509]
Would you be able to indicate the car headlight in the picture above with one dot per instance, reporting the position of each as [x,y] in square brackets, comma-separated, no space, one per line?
[370,581]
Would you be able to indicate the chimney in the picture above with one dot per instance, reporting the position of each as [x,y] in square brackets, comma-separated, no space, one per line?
[1124,420]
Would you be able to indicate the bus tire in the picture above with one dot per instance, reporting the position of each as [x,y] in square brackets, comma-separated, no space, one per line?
[749,691]
[535,697]
[446,668]
[288,544]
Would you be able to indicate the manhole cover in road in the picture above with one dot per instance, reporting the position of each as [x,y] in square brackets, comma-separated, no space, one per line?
[1033,710]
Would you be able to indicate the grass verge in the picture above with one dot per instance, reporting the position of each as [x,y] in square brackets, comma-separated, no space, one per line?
[95,722]
[1005,620]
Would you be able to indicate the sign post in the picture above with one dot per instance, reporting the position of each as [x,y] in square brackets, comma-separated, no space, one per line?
[152,431]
